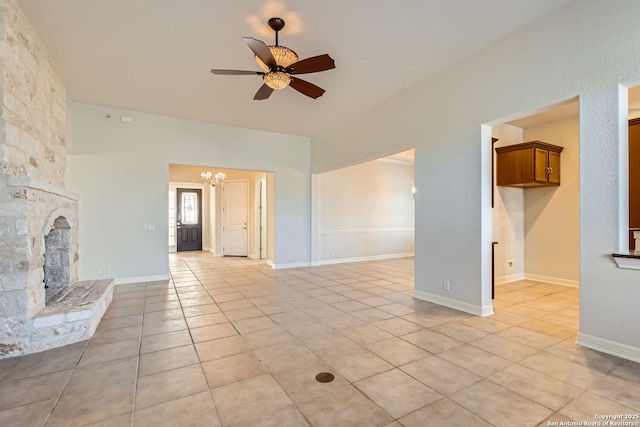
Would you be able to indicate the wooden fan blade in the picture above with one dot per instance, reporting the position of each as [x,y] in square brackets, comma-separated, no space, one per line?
[263,93]
[306,88]
[237,72]
[313,65]
[261,50]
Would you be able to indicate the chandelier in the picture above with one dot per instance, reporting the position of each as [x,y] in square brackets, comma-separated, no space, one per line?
[209,178]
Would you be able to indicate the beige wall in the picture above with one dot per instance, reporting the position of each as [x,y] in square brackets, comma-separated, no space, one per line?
[365,211]
[185,173]
[552,216]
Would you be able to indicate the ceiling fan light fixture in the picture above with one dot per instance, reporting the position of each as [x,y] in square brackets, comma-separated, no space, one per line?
[279,63]
[283,55]
[277,80]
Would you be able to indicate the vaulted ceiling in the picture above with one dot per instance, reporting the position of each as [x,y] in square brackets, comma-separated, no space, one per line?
[155,55]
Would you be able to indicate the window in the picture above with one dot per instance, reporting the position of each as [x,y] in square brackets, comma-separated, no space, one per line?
[172,217]
[189,208]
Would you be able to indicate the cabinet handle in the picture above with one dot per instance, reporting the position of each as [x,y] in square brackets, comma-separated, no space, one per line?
[550,170]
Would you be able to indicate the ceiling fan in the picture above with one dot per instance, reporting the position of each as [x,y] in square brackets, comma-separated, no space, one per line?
[281,66]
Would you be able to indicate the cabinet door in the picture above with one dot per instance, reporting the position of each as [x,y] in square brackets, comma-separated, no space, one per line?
[540,160]
[554,168]
[634,174]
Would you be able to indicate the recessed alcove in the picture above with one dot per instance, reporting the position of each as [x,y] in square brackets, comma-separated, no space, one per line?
[56,256]
[537,228]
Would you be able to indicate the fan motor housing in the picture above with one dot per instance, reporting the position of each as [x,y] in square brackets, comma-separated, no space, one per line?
[276,23]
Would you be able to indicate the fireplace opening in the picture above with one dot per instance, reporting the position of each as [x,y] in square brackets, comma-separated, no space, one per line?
[56,256]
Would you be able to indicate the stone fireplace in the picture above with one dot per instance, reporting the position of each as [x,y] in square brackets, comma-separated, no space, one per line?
[38,216]
[38,247]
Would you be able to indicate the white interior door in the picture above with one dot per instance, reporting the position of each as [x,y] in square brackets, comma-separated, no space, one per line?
[235,215]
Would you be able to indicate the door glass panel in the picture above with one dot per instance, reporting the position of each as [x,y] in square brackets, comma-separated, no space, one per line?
[172,217]
[189,208]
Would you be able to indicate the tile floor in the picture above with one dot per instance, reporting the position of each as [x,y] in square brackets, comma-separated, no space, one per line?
[231,342]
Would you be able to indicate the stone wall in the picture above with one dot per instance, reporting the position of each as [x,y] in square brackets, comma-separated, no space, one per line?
[33,102]
[33,201]
[32,159]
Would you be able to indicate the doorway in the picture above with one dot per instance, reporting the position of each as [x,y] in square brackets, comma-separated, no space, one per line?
[535,222]
[256,242]
[365,212]
[189,219]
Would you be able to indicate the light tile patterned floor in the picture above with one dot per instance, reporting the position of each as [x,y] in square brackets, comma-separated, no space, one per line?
[231,342]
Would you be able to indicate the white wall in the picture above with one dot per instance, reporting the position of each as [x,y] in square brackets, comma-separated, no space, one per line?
[364,212]
[552,217]
[508,216]
[586,50]
[121,173]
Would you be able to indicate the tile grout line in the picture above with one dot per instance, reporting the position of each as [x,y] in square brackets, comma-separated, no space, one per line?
[135,380]
[200,363]
[73,370]
[275,284]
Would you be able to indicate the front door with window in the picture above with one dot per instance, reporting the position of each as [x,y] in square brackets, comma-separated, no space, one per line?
[189,219]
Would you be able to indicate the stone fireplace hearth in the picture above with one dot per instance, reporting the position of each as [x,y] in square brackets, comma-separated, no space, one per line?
[33,318]
[38,216]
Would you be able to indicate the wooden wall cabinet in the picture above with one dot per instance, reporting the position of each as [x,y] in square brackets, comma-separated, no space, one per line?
[530,164]
[634,180]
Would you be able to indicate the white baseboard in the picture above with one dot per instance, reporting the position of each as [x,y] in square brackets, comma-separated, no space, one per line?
[290,265]
[362,258]
[338,261]
[610,347]
[213,252]
[535,277]
[140,279]
[457,305]
[508,279]
[553,280]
